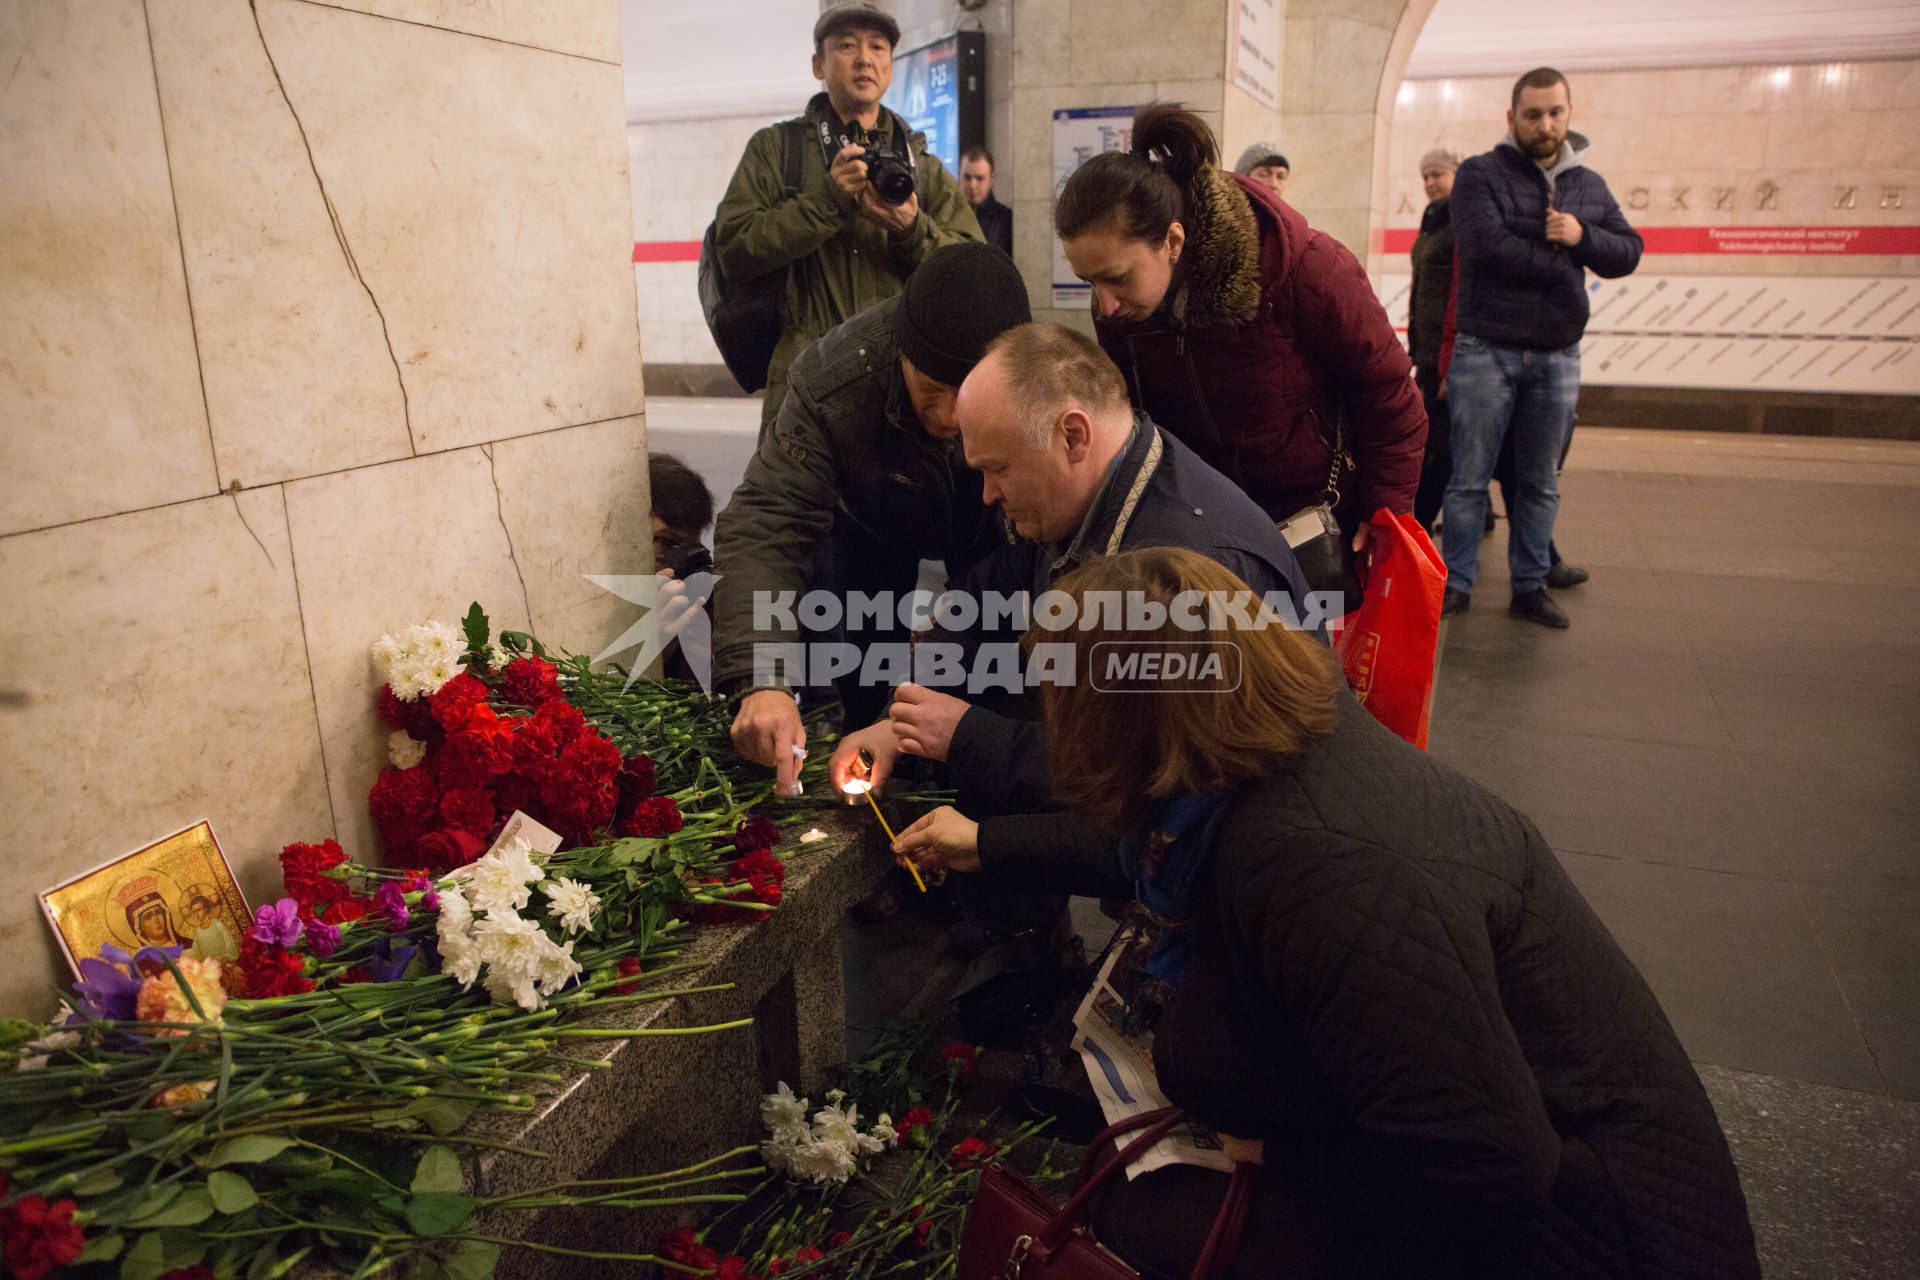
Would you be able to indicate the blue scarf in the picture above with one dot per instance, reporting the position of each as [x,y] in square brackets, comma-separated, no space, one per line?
[1163,861]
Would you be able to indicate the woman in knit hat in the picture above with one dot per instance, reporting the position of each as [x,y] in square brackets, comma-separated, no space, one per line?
[1264,163]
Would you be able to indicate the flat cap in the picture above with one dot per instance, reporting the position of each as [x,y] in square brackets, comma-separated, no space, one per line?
[854,13]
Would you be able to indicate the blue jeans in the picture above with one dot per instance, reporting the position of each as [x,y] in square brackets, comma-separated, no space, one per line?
[1492,390]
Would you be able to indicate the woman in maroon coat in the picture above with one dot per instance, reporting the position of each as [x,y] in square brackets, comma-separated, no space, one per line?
[1252,337]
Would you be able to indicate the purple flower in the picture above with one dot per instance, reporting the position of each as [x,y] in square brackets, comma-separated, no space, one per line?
[429,901]
[322,938]
[391,903]
[110,986]
[277,923]
[390,958]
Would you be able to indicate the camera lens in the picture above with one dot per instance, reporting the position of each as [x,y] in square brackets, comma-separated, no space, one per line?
[892,180]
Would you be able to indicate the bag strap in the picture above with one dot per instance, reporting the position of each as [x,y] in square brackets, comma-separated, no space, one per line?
[1223,1241]
[793,156]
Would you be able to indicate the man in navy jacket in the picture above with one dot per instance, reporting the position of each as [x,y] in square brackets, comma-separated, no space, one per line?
[1530,220]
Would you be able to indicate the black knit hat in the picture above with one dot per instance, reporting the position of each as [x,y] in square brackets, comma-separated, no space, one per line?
[956,303]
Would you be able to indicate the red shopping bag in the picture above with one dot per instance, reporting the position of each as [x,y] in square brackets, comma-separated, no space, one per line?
[1387,644]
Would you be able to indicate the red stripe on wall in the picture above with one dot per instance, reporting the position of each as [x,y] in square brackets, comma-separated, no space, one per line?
[1757,241]
[677,250]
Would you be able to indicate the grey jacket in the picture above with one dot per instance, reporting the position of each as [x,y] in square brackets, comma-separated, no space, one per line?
[847,457]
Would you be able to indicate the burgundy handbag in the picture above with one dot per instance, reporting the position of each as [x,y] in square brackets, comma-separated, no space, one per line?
[1014,1232]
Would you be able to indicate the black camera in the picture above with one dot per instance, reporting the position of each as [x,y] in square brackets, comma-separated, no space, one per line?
[684,558]
[890,177]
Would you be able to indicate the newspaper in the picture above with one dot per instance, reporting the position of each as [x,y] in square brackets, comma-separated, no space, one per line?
[1114,1036]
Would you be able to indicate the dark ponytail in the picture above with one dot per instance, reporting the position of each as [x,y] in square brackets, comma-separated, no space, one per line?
[1144,191]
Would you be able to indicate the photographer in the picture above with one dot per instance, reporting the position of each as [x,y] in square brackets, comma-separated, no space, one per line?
[826,196]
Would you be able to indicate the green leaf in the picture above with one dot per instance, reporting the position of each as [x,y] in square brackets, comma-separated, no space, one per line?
[439,1213]
[445,1115]
[472,1260]
[475,626]
[102,1248]
[439,1171]
[251,1149]
[231,1193]
[153,1201]
[149,1126]
[182,1248]
[147,1260]
[191,1206]
[281,1267]
[99,1182]
[263,1262]
[301,1162]
[15,1032]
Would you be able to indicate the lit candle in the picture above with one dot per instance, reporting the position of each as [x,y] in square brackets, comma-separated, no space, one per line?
[861,787]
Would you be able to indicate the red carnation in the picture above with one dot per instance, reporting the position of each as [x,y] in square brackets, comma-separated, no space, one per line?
[839,1238]
[683,1246]
[733,1267]
[40,1236]
[445,850]
[804,1254]
[629,967]
[268,971]
[403,802]
[636,777]
[917,1118]
[965,1055]
[455,700]
[659,816]
[347,909]
[530,681]
[560,718]
[472,759]
[415,717]
[758,833]
[468,811]
[972,1152]
[304,868]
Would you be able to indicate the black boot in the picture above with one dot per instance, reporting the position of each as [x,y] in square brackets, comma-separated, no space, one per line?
[1538,606]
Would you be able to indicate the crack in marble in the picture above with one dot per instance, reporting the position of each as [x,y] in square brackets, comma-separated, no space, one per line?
[306,651]
[500,511]
[248,526]
[339,230]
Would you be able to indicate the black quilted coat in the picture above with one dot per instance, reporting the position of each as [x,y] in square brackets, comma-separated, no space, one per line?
[1396,986]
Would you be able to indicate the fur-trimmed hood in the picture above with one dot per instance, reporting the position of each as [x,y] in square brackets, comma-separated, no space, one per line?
[1221,283]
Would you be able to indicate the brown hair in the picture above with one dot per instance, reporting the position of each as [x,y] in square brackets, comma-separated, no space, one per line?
[1048,365]
[1144,191]
[1539,78]
[1116,745]
[978,152]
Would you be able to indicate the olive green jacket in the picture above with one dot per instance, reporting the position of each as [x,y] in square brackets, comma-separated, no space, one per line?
[840,263]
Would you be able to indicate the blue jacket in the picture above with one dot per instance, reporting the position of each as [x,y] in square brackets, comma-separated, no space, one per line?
[1516,289]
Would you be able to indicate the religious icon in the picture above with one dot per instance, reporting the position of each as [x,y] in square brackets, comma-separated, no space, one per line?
[164,895]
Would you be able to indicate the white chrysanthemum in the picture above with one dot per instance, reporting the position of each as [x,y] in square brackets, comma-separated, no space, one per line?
[513,989]
[404,749]
[498,657]
[781,1110]
[778,1151]
[883,1131]
[819,1161]
[418,660]
[571,903]
[503,880]
[557,967]
[460,958]
[511,946]
[833,1124]
[456,913]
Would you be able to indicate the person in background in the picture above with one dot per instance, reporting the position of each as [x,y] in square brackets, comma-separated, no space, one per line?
[843,247]
[976,182]
[1369,975]
[1530,220]
[1432,293]
[1266,166]
[682,511]
[1255,339]
[860,478]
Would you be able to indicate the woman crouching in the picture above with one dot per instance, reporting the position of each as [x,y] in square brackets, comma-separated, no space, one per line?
[1382,984]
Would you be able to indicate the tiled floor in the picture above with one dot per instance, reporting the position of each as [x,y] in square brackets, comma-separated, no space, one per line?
[1725,746]
[1725,751]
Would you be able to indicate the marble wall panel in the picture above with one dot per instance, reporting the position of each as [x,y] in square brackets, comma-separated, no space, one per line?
[575,502]
[585,28]
[1332,160]
[482,189]
[159,676]
[379,549]
[98,385]
[1042,43]
[299,378]
[1129,40]
[1348,57]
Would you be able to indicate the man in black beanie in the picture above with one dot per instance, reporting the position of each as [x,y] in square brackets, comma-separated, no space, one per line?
[858,479]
